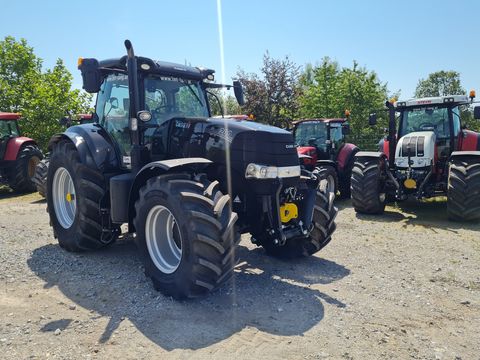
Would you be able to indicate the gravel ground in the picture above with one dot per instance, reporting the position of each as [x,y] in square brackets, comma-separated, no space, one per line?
[402,285]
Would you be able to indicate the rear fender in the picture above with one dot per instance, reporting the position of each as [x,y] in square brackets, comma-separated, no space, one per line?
[470,141]
[93,145]
[345,155]
[14,145]
[157,168]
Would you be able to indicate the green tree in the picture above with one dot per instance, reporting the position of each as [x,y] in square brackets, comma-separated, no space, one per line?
[443,83]
[328,90]
[440,83]
[43,97]
[272,97]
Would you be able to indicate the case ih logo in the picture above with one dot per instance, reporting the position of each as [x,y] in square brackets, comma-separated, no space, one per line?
[421,102]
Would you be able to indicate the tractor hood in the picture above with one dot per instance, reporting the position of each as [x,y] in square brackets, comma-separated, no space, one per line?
[306,150]
[415,150]
[252,142]
[244,125]
[245,142]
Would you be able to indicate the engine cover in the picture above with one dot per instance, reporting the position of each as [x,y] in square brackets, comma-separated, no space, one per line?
[419,147]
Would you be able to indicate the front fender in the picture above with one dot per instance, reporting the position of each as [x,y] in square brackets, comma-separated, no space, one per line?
[457,154]
[157,168]
[93,144]
[370,154]
[326,163]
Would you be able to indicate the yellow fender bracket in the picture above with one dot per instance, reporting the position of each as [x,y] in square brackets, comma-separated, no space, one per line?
[288,212]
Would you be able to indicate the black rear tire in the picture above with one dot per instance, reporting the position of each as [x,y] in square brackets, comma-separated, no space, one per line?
[324,214]
[463,202]
[86,232]
[40,178]
[205,226]
[367,186]
[22,175]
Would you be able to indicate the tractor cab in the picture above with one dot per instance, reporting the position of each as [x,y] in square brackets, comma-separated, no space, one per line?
[432,126]
[322,148]
[320,139]
[8,130]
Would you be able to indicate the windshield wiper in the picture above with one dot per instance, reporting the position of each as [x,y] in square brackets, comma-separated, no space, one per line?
[193,92]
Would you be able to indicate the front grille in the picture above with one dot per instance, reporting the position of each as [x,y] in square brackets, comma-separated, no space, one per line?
[413,146]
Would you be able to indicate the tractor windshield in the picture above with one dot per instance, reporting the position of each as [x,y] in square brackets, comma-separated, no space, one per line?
[311,133]
[167,98]
[8,128]
[425,119]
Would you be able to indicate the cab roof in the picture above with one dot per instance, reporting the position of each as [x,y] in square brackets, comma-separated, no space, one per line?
[157,67]
[325,120]
[436,100]
[9,116]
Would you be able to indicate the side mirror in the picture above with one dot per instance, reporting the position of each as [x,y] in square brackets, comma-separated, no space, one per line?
[91,75]
[372,119]
[345,129]
[238,91]
[476,112]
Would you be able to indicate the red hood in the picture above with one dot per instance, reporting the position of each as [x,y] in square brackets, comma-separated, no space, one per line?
[306,150]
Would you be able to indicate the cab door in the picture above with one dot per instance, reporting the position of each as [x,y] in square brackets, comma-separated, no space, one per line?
[112,110]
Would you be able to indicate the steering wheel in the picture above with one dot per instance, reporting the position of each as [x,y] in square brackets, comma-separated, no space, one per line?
[426,125]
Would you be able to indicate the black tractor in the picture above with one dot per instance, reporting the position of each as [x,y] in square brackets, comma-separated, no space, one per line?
[187,184]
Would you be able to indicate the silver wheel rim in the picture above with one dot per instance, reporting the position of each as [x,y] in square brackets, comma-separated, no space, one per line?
[64,199]
[328,185]
[163,238]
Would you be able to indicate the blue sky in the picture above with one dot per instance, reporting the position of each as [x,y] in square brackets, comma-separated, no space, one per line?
[402,41]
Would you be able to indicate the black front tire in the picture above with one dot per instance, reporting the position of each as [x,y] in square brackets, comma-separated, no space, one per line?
[21,177]
[205,226]
[40,178]
[329,179]
[368,186]
[87,231]
[463,197]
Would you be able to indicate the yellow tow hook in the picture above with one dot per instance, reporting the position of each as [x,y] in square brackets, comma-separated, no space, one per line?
[288,211]
[410,184]
[70,197]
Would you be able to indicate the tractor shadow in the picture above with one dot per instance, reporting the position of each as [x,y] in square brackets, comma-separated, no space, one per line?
[276,298]
[7,193]
[430,214]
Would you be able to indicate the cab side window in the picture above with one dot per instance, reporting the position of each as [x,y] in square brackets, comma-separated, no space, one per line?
[112,109]
[456,121]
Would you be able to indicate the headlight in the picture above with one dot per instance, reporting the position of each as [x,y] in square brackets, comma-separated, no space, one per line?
[256,171]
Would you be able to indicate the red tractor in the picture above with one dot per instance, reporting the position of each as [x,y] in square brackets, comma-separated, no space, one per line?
[321,146]
[40,177]
[429,154]
[19,155]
